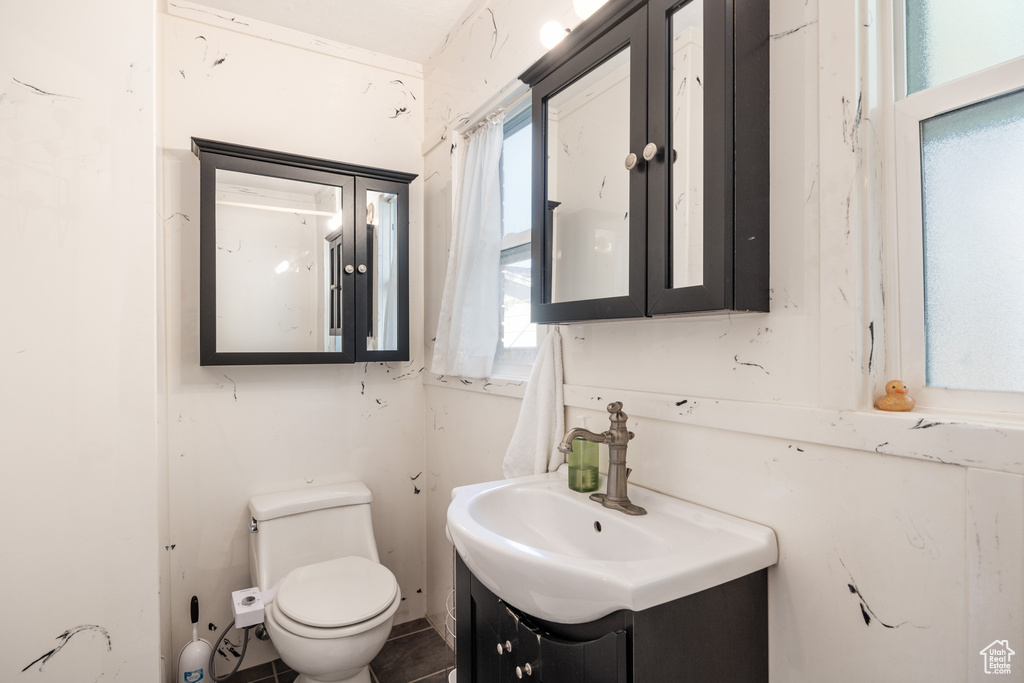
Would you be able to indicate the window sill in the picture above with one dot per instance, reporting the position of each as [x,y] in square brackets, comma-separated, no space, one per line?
[512,387]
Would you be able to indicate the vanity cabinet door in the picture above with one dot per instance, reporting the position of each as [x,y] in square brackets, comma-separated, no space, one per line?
[492,628]
[510,642]
[596,661]
[544,658]
[487,663]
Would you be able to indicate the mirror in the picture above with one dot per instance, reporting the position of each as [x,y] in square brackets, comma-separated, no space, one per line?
[382,270]
[588,137]
[274,238]
[302,260]
[687,130]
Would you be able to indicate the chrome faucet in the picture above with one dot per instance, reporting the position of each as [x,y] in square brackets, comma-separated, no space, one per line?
[617,438]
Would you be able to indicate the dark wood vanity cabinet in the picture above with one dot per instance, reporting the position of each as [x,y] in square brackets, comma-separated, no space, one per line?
[720,634]
[650,136]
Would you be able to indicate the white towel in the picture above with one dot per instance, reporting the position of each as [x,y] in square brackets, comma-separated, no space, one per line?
[541,425]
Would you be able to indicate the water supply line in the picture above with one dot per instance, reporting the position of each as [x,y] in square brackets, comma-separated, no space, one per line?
[216,648]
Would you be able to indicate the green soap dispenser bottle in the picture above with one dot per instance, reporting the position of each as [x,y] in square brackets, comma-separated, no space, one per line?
[583,465]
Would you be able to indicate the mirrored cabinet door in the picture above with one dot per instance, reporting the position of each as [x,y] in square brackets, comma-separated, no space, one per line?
[708,192]
[382,301]
[690,182]
[277,288]
[587,141]
[589,122]
[686,138]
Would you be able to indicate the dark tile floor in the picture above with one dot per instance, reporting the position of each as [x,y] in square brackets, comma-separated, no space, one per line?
[414,653]
[271,672]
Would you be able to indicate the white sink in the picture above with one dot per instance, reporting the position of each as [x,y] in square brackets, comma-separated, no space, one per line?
[556,554]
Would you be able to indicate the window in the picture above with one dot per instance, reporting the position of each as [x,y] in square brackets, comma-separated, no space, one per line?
[517,341]
[960,202]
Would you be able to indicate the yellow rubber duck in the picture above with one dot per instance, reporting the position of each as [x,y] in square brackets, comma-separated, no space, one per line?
[896,398]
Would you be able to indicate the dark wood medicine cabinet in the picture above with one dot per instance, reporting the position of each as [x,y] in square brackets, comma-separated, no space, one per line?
[650,140]
[302,260]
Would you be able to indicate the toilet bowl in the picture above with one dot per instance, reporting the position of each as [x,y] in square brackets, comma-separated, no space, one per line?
[333,610]
[329,620]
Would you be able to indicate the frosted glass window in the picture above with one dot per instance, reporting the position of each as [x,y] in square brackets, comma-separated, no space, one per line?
[947,39]
[972,174]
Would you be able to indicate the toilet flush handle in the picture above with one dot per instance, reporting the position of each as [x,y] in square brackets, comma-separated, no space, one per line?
[253,526]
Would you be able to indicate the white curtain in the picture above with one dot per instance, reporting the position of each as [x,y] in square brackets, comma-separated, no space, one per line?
[467,328]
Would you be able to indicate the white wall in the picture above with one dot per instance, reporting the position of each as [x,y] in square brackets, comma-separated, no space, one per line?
[78,353]
[118,448]
[767,416]
[238,431]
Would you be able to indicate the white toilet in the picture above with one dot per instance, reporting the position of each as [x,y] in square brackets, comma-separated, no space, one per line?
[334,602]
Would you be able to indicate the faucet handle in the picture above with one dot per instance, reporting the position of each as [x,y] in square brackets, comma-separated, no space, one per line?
[615,413]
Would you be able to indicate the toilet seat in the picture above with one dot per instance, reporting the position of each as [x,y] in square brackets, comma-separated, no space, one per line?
[336,593]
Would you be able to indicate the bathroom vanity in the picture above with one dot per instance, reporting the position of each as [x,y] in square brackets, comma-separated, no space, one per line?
[553,586]
[719,634]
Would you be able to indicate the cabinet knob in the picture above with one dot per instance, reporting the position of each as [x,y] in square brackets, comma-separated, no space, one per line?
[361,269]
[631,161]
[501,650]
[525,669]
[651,152]
[349,269]
[508,646]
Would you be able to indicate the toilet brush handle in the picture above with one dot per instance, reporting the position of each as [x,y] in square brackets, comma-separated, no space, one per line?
[194,609]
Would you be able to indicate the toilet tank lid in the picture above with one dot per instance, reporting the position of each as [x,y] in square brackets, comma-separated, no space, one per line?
[271,505]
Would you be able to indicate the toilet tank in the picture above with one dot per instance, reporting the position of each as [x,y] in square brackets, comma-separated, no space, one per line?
[308,525]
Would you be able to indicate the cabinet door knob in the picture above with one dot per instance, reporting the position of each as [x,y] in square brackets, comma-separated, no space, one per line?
[525,669]
[361,269]
[501,650]
[508,646]
[651,152]
[631,161]
[349,269]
